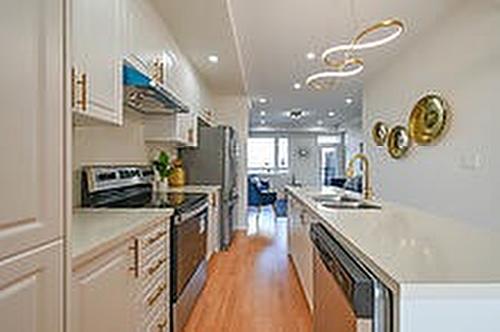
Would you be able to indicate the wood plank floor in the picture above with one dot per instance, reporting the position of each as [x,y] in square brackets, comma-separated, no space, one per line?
[253,286]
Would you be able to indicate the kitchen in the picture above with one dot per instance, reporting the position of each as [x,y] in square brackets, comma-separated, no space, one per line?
[134,133]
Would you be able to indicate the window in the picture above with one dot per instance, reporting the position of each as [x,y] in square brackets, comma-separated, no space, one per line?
[261,153]
[267,154]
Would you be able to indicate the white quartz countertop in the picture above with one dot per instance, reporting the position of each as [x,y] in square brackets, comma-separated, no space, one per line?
[93,230]
[194,189]
[407,246]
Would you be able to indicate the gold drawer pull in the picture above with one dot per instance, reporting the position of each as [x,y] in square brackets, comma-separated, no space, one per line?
[81,82]
[153,298]
[155,238]
[135,248]
[154,268]
[162,326]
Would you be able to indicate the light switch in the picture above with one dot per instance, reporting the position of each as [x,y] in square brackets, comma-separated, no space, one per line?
[470,161]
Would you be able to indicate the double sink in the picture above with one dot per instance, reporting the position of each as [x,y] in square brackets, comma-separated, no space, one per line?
[344,202]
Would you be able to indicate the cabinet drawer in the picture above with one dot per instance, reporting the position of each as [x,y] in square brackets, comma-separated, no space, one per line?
[154,241]
[158,321]
[155,266]
[155,294]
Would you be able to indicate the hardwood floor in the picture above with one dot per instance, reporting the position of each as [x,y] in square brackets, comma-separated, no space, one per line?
[253,286]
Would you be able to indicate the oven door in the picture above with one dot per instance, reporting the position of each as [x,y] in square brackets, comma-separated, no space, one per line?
[189,245]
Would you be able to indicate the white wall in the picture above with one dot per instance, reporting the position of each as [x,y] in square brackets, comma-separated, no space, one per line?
[112,145]
[460,58]
[232,110]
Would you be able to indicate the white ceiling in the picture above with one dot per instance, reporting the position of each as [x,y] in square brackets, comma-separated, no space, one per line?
[270,39]
[202,28]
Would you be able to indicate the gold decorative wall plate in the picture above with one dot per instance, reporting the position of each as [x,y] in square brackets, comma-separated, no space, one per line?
[380,132]
[428,119]
[398,142]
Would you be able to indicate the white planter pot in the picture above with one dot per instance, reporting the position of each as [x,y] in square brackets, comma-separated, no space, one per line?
[162,186]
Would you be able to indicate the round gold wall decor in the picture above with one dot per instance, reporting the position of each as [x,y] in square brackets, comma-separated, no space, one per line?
[380,132]
[428,119]
[398,142]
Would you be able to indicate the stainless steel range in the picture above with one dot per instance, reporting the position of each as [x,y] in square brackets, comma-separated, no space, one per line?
[131,187]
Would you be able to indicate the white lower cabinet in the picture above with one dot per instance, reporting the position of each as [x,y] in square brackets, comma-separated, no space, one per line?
[125,288]
[31,290]
[300,247]
[102,293]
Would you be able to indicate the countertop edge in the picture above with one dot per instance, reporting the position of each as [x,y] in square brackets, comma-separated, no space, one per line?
[384,277]
[106,244]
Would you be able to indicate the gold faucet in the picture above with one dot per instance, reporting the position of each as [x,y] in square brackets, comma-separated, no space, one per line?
[367,189]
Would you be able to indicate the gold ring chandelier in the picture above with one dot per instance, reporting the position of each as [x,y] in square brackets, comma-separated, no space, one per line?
[362,41]
[328,79]
[343,62]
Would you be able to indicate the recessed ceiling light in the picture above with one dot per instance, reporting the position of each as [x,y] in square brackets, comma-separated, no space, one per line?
[263,113]
[320,122]
[331,114]
[262,100]
[262,122]
[297,86]
[310,56]
[349,101]
[213,58]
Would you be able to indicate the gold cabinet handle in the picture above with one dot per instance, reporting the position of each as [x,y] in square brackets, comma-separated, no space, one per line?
[73,87]
[82,84]
[153,298]
[191,135]
[162,326]
[158,71]
[135,248]
[303,218]
[214,199]
[155,238]
[154,268]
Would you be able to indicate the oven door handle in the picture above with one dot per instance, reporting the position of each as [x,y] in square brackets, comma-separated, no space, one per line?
[188,215]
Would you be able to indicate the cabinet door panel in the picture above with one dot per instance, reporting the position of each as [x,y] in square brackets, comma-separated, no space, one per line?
[102,294]
[31,123]
[97,51]
[305,259]
[31,290]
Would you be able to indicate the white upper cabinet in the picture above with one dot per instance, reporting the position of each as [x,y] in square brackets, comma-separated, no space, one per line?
[96,51]
[145,46]
[179,129]
[31,124]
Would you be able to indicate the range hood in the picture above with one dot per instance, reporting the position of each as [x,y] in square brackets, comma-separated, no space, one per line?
[144,95]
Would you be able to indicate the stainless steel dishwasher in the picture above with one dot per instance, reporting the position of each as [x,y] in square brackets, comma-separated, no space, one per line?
[347,297]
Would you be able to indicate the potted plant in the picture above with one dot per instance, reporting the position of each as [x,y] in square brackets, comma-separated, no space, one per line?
[163,169]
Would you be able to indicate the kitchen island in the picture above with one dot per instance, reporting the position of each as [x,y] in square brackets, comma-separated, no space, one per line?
[438,270]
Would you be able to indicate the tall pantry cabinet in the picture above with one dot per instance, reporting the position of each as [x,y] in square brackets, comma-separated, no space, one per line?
[31,167]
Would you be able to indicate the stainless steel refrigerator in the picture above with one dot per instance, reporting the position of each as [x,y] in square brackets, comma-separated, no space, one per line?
[215,162]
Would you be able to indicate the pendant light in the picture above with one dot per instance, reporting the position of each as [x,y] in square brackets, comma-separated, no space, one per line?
[328,79]
[384,32]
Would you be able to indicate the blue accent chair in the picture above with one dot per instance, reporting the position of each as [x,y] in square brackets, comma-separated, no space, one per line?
[259,194]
